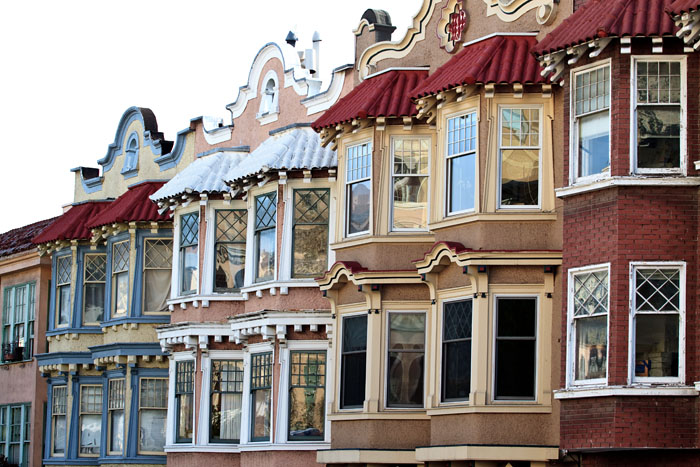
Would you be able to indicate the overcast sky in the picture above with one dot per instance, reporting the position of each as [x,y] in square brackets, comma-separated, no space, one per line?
[70,69]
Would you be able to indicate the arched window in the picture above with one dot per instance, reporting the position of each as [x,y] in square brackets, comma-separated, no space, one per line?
[131,156]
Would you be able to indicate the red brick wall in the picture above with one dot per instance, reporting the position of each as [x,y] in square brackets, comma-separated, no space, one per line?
[647,458]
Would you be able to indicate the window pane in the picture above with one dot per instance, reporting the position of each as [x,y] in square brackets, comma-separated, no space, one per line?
[158,254]
[63,273]
[406,362]
[121,293]
[658,137]
[189,229]
[231,226]
[520,177]
[456,350]
[461,134]
[120,257]
[307,395]
[265,211]
[94,303]
[462,173]
[515,348]
[354,360]
[266,240]
[410,202]
[152,430]
[310,250]
[591,347]
[590,293]
[594,144]
[116,439]
[59,434]
[657,290]
[359,162]
[592,90]
[261,414]
[226,400]
[358,207]
[190,269]
[230,266]
[153,402]
[184,417]
[90,429]
[63,305]
[156,289]
[657,345]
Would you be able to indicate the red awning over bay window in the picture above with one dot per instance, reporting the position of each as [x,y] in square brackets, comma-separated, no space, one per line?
[133,206]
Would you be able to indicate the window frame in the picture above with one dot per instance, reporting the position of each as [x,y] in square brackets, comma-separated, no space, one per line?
[86,283]
[393,176]
[387,351]
[574,124]
[341,366]
[178,401]
[181,247]
[290,386]
[216,242]
[441,350]
[24,442]
[110,427]
[571,335]
[257,233]
[114,278]
[142,407]
[252,398]
[494,359]
[9,321]
[80,414]
[294,223]
[347,187]
[54,414]
[58,287]
[680,266]
[683,168]
[146,240]
[448,158]
[499,157]
[210,392]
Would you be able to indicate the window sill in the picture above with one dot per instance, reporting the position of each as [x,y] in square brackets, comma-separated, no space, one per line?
[84,330]
[15,362]
[235,448]
[422,415]
[393,237]
[500,216]
[447,410]
[633,180]
[613,391]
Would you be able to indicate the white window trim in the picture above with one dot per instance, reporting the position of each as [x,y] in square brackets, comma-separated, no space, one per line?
[246,424]
[282,435]
[385,373]
[346,191]
[440,340]
[683,169]
[251,252]
[637,380]
[339,385]
[499,150]
[571,380]
[448,187]
[538,342]
[171,421]
[272,115]
[393,176]
[573,125]
[210,245]
[175,283]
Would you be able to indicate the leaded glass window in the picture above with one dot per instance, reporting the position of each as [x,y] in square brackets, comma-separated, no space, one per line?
[519,157]
[516,348]
[592,121]
[260,395]
[18,322]
[157,274]
[229,250]
[265,236]
[590,324]
[120,279]
[310,243]
[307,395]
[359,170]
[226,401]
[410,183]
[456,350]
[58,421]
[658,310]
[153,406]
[115,416]
[95,275]
[353,362]
[90,419]
[64,265]
[189,255]
[184,399]
[461,162]
[406,359]
[658,114]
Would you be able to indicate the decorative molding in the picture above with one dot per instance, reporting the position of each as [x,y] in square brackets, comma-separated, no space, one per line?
[511,10]
[452,24]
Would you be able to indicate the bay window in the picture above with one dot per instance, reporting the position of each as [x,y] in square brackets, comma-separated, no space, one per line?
[260,396]
[115,416]
[64,265]
[189,256]
[353,362]
[153,406]
[229,249]
[657,322]
[410,183]
[591,121]
[90,420]
[307,396]
[358,188]
[184,401]
[94,278]
[265,236]
[120,279]
[658,114]
[157,266]
[18,322]
[589,304]
[456,350]
[226,401]
[310,232]
[59,428]
[406,359]
[519,157]
[515,368]
[461,163]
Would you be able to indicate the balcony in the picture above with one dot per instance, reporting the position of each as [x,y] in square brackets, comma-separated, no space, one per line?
[14,352]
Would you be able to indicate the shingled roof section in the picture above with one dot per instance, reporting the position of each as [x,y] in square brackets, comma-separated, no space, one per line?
[609,18]
[20,239]
[133,206]
[679,7]
[72,225]
[385,94]
[497,59]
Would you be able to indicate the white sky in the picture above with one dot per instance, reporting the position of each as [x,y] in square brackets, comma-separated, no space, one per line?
[71,68]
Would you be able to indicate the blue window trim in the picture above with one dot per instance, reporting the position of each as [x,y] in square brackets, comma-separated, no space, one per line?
[133,439]
[60,381]
[119,373]
[130,168]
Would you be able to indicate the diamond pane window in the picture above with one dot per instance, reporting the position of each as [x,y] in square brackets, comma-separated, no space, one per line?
[189,253]
[589,325]
[310,242]
[358,168]
[184,400]
[157,265]
[592,121]
[94,288]
[153,404]
[519,157]
[456,350]
[261,395]
[307,396]
[64,266]
[120,279]
[90,420]
[410,183]
[226,401]
[115,416]
[265,238]
[658,317]
[229,268]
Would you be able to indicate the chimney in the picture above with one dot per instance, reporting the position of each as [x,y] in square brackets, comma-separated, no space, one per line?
[380,23]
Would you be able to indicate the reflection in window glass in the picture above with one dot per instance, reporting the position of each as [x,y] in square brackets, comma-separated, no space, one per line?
[58,421]
[354,362]
[406,359]
[359,169]
[260,395]
[95,275]
[189,256]
[90,419]
[516,343]
[592,118]
[153,404]
[590,324]
[307,396]
[63,280]
[456,350]
[184,402]
[120,278]
[157,266]
[410,180]
[461,162]
[229,250]
[265,236]
[115,417]
[310,242]
[226,401]
[520,157]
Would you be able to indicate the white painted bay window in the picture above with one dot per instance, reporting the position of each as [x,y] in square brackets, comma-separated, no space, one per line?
[184,401]
[461,163]
[519,157]
[265,236]
[410,183]
[260,396]
[591,121]
[229,249]
[189,253]
[307,395]
[226,401]
[358,188]
[310,232]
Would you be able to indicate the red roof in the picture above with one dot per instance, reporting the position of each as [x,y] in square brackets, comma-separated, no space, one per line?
[132,206]
[498,59]
[609,18]
[383,95]
[72,224]
[679,7]
[20,239]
